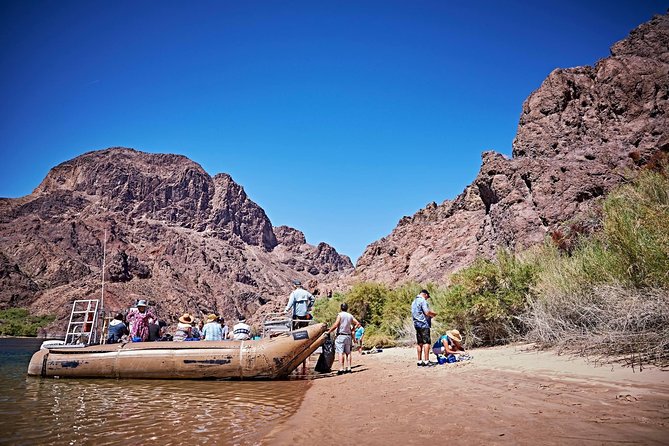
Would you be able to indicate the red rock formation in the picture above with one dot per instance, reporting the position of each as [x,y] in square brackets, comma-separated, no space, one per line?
[579,136]
[176,236]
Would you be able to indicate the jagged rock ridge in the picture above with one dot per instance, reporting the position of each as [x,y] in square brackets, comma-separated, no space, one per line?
[579,135]
[175,235]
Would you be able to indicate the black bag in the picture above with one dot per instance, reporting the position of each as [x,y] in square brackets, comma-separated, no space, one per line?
[327,357]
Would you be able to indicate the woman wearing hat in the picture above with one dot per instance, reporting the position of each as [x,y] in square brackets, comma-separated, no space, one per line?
[138,318]
[448,344]
[183,328]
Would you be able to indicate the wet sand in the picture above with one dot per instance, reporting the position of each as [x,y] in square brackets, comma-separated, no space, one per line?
[505,395]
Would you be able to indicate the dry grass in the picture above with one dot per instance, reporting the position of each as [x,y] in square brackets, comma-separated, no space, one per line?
[613,321]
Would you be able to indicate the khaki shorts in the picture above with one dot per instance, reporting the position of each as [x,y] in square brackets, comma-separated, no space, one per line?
[343,344]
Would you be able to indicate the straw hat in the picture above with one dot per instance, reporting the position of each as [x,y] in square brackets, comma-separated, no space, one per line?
[186,318]
[212,317]
[454,335]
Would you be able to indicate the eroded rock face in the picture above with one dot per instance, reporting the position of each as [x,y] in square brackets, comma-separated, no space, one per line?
[175,236]
[579,135]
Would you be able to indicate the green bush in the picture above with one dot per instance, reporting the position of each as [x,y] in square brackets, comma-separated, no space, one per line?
[486,298]
[19,322]
[636,229]
[609,288]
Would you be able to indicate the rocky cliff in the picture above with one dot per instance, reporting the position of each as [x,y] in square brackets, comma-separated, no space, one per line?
[175,235]
[580,134]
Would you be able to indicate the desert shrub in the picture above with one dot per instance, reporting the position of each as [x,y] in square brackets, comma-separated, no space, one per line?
[609,320]
[326,309]
[486,298]
[19,322]
[610,295]
[375,337]
[636,229]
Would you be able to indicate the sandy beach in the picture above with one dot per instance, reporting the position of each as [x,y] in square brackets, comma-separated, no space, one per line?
[505,395]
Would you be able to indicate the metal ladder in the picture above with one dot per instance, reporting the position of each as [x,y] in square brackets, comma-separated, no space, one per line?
[83,322]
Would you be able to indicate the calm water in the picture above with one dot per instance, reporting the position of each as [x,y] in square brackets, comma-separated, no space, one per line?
[134,412]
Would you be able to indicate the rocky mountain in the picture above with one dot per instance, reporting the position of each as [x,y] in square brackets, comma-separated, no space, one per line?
[580,134]
[175,235]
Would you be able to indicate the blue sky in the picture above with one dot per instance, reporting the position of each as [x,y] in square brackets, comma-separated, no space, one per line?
[338,118]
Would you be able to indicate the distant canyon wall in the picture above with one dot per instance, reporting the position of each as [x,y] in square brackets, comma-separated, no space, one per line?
[175,235]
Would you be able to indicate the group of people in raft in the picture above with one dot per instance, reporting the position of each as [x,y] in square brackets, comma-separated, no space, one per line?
[141,325]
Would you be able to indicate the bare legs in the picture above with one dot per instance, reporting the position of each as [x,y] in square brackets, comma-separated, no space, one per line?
[423,351]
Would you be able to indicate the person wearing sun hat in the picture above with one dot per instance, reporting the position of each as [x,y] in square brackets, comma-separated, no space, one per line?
[448,344]
[212,330]
[183,327]
[138,318]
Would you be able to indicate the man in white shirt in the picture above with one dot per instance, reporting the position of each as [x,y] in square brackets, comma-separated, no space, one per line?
[241,331]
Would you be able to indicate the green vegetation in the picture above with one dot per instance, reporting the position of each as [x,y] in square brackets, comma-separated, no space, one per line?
[601,292]
[19,322]
[610,293]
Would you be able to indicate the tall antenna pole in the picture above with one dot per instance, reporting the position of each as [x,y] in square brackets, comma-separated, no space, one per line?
[102,300]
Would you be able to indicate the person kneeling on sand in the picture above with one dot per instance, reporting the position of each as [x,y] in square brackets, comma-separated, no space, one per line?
[448,344]
[343,342]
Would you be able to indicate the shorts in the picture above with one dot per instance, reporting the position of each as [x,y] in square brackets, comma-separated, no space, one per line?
[438,350]
[423,335]
[343,344]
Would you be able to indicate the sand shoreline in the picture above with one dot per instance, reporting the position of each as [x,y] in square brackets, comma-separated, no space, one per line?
[505,395]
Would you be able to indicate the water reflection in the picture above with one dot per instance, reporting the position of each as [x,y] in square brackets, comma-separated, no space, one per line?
[59,411]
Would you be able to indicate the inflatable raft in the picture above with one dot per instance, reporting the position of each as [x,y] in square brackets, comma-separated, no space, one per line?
[268,358]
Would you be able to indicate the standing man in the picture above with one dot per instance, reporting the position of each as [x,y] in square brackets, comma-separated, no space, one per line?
[343,342]
[422,321]
[299,304]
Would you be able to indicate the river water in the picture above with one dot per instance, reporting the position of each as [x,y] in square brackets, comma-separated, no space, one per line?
[48,411]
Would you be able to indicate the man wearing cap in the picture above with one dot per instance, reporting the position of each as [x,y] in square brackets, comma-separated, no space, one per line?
[139,322]
[212,330]
[300,302]
[422,321]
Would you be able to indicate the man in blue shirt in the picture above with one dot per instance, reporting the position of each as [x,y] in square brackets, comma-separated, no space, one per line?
[299,305]
[422,321]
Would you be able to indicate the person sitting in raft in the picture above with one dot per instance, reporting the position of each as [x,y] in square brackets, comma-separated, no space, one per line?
[117,329]
[183,328]
[139,322]
[448,344]
[155,330]
[241,331]
[196,330]
[224,327]
[212,330]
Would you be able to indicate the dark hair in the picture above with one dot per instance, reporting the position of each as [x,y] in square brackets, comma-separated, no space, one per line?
[425,292]
[119,317]
[344,307]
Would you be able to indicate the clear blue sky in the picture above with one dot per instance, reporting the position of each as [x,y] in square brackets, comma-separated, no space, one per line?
[338,118]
